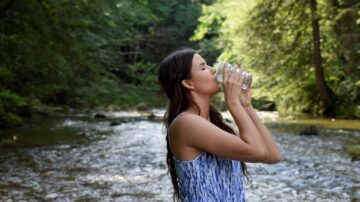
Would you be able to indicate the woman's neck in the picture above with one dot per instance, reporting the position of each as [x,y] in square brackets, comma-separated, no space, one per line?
[202,104]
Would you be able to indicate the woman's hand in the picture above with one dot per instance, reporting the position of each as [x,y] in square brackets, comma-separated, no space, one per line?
[245,98]
[232,82]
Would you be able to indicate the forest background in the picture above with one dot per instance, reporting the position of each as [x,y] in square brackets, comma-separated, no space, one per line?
[304,55]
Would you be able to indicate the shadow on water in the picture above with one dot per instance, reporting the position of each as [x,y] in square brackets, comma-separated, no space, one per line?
[76,157]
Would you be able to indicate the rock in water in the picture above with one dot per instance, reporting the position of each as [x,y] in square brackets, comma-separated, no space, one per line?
[309,130]
[99,115]
[115,123]
[51,196]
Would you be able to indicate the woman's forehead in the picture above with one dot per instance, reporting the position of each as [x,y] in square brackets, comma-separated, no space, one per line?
[197,59]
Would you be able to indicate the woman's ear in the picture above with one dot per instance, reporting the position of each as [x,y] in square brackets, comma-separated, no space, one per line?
[187,84]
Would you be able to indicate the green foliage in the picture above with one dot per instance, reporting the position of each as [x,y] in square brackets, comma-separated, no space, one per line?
[98,53]
[208,31]
[273,40]
[89,53]
[9,101]
[10,106]
[10,120]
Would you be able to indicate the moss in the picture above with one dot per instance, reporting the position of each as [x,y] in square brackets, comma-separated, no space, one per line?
[354,152]
[353,148]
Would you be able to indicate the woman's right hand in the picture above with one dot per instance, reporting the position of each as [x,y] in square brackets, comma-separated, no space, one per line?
[232,82]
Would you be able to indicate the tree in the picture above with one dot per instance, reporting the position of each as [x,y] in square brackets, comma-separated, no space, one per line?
[89,53]
[327,95]
[292,50]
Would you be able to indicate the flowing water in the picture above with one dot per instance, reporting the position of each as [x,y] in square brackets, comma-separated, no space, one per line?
[75,157]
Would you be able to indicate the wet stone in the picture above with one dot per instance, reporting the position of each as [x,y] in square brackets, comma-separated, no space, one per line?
[309,130]
[15,180]
[51,196]
[151,115]
[115,123]
[35,187]
[99,116]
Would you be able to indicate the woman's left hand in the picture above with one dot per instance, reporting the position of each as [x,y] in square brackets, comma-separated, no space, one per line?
[245,97]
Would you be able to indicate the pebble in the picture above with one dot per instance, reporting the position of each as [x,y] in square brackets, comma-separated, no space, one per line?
[15,180]
[51,196]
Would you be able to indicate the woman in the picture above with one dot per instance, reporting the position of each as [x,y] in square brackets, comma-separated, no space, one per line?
[205,156]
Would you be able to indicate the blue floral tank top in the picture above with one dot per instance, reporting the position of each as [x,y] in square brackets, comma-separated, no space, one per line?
[210,178]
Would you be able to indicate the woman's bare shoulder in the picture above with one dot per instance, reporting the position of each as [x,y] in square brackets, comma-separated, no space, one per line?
[186,119]
[191,127]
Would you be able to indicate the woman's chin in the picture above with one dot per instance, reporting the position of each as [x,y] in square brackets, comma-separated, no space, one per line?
[217,90]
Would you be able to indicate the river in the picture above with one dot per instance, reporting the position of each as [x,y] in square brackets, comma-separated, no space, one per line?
[75,157]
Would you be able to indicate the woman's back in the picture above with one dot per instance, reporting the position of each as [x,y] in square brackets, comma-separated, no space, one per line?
[210,178]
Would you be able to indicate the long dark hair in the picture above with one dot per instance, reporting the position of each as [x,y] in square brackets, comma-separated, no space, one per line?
[172,70]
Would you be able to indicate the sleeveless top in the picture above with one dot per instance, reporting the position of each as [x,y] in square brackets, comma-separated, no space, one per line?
[209,178]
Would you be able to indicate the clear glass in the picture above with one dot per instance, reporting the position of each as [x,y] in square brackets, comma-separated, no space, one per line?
[219,75]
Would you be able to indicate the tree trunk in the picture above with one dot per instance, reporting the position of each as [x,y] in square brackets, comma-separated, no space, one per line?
[326,94]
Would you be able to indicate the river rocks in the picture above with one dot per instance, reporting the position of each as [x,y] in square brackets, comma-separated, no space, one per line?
[151,115]
[15,180]
[51,196]
[142,106]
[100,116]
[113,108]
[309,130]
[148,114]
[354,152]
[353,149]
[115,123]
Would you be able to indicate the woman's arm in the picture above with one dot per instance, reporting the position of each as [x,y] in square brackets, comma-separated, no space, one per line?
[193,131]
[274,153]
[247,128]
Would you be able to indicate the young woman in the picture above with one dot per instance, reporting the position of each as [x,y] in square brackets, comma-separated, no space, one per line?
[205,156]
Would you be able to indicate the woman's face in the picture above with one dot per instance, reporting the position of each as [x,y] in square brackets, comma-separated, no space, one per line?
[203,77]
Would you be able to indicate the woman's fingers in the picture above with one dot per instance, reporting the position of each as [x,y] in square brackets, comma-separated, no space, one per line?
[233,75]
[225,72]
[239,73]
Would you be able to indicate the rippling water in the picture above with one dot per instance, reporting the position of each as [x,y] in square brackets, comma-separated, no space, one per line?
[78,158]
